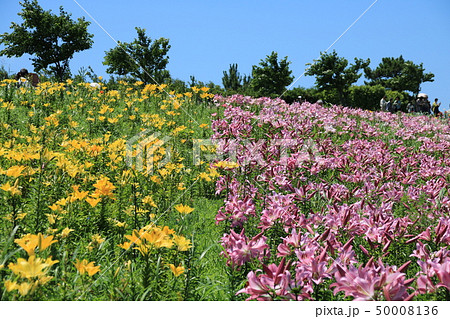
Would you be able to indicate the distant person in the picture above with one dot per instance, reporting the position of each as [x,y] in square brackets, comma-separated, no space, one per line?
[435,108]
[390,106]
[410,107]
[397,104]
[421,105]
[427,106]
[21,77]
[383,103]
[95,85]
[34,78]
[24,78]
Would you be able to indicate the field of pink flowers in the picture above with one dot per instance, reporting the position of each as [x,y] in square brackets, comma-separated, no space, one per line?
[333,203]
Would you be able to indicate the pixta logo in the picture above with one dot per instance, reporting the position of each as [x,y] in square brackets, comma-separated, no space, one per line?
[148,150]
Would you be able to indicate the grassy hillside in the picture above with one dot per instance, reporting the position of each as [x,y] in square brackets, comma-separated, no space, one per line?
[100,195]
[141,193]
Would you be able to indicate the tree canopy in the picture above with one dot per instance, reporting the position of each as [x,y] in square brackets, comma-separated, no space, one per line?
[334,73]
[143,58]
[50,39]
[271,76]
[233,80]
[398,74]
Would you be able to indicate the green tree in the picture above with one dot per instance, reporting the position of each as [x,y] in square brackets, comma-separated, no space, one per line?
[3,73]
[143,59]
[366,97]
[232,80]
[333,73]
[300,94]
[271,76]
[51,39]
[177,85]
[398,75]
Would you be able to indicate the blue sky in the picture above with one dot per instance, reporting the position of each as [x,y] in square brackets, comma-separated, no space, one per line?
[207,36]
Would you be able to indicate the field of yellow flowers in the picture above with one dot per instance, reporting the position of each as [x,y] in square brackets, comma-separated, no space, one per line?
[100,199]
